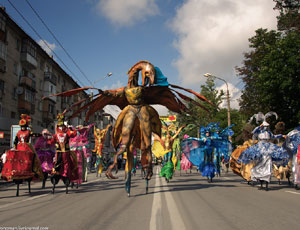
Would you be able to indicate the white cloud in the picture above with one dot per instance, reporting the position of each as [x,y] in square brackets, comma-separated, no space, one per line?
[48,48]
[213,34]
[116,85]
[127,13]
[234,95]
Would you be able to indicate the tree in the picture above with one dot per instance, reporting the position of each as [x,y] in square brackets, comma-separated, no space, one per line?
[289,17]
[250,70]
[271,73]
[199,117]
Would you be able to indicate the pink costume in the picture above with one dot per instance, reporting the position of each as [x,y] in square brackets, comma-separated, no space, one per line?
[185,164]
[80,144]
[45,151]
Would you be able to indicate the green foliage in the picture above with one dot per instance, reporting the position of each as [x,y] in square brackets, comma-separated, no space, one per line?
[271,73]
[198,117]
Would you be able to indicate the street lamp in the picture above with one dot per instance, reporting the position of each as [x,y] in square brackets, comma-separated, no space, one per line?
[107,75]
[227,94]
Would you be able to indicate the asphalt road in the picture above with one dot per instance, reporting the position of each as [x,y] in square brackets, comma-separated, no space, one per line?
[186,202]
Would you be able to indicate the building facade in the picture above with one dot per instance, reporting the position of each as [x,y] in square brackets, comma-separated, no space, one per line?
[27,74]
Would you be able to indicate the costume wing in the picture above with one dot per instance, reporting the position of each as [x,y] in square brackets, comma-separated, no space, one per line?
[292,141]
[95,102]
[193,149]
[166,96]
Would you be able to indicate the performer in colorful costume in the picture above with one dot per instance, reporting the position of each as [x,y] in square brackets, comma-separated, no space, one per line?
[168,153]
[263,153]
[46,152]
[292,143]
[138,120]
[80,145]
[65,165]
[100,135]
[281,172]
[200,151]
[22,162]
[185,164]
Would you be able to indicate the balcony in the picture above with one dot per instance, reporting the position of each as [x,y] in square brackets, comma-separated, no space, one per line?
[25,106]
[28,61]
[28,54]
[28,82]
[49,76]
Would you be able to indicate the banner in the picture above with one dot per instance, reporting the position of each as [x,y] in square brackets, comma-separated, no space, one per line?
[170,118]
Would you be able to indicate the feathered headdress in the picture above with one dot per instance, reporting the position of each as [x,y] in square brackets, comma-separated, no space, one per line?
[25,120]
[60,118]
[262,117]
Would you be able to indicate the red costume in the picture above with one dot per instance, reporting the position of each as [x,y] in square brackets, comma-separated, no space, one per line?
[65,160]
[22,162]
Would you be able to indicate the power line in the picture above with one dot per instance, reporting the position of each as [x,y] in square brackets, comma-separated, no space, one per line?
[44,42]
[59,42]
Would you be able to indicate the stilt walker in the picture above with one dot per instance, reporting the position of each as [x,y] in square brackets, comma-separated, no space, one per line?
[138,120]
[46,152]
[65,165]
[22,162]
[264,153]
[100,135]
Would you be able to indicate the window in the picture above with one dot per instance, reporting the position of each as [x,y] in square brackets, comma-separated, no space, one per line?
[14,94]
[3,50]
[29,96]
[51,108]
[18,44]
[41,85]
[1,109]
[28,47]
[16,68]
[51,89]
[42,63]
[13,114]
[40,106]
[2,22]
[2,85]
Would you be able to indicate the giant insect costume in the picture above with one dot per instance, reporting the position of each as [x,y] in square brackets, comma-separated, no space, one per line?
[65,166]
[22,162]
[100,135]
[264,152]
[46,152]
[138,120]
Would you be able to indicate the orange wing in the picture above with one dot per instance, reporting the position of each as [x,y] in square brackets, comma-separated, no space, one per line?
[163,95]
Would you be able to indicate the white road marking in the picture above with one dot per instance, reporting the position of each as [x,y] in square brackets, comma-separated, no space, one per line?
[177,222]
[293,192]
[156,205]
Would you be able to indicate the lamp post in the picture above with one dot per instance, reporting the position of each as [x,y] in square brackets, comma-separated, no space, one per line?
[227,95]
[107,75]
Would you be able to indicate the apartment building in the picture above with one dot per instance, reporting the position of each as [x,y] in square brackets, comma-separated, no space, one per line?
[27,74]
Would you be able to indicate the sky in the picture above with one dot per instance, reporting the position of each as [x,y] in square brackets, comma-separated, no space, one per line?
[184,38]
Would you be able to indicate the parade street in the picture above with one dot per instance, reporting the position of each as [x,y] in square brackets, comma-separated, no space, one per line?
[186,202]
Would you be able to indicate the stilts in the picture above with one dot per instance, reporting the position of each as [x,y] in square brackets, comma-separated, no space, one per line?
[147,185]
[67,183]
[44,180]
[128,184]
[267,186]
[29,187]
[18,182]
